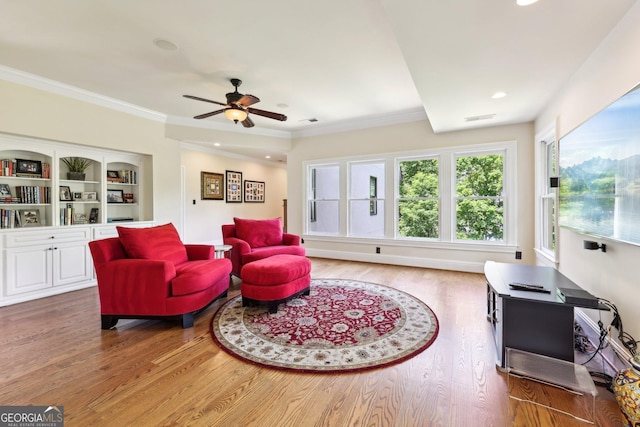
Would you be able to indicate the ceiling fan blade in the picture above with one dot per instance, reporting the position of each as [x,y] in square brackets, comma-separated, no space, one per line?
[248,100]
[213,113]
[248,123]
[203,99]
[269,114]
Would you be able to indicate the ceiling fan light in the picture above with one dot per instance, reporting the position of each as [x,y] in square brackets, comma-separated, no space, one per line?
[235,114]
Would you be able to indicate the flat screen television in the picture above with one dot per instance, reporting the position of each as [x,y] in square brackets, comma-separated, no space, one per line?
[600,173]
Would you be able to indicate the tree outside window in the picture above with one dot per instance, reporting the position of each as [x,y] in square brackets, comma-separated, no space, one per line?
[479,197]
[418,203]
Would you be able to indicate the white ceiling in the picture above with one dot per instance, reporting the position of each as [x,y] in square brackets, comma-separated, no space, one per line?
[346,63]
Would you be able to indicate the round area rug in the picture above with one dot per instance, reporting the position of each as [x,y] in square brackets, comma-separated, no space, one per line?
[342,326]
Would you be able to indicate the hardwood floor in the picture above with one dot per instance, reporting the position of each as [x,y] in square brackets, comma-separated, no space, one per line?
[153,373]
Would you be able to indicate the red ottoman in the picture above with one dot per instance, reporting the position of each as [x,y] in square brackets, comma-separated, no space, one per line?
[274,280]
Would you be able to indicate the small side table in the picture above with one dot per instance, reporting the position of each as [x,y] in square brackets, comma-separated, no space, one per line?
[566,376]
[220,250]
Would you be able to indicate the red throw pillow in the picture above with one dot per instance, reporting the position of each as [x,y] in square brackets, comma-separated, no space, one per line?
[159,243]
[259,232]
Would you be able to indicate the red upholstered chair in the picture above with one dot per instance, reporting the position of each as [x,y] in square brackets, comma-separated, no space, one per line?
[149,273]
[252,240]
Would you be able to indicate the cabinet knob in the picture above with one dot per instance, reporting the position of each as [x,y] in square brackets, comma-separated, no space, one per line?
[52,237]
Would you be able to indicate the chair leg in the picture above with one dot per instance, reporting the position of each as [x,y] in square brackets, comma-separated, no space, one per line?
[187,320]
[108,322]
[272,307]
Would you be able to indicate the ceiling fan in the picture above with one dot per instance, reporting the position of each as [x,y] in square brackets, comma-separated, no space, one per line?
[238,107]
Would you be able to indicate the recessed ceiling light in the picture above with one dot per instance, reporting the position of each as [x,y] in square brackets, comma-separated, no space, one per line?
[165,44]
[499,95]
[525,2]
[267,157]
[217,144]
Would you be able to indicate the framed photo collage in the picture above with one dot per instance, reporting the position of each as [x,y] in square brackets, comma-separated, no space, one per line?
[230,187]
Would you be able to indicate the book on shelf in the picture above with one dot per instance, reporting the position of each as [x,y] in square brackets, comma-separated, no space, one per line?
[9,218]
[122,177]
[33,194]
[10,200]
[7,167]
[66,216]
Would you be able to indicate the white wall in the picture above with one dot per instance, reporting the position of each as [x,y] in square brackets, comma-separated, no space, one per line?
[612,70]
[35,113]
[204,218]
[409,137]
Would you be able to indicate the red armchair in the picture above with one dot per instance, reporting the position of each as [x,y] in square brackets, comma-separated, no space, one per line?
[252,240]
[150,273]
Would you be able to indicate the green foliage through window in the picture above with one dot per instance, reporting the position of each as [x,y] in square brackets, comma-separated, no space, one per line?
[479,199]
[418,207]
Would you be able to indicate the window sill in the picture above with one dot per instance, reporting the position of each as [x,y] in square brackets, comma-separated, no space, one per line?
[423,244]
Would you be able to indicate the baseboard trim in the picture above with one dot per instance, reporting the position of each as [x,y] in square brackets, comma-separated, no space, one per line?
[440,264]
[47,292]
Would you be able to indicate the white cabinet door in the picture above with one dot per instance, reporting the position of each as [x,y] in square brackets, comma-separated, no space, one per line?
[71,263]
[29,268]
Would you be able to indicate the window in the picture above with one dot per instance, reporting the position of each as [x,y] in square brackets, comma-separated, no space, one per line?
[547,202]
[323,204]
[418,202]
[479,200]
[366,199]
[446,195]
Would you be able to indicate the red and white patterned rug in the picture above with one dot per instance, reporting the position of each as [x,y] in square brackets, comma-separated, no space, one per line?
[342,326]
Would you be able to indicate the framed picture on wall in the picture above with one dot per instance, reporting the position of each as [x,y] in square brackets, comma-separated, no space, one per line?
[253,191]
[211,186]
[234,187]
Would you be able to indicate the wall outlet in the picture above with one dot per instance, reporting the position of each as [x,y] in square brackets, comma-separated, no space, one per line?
[377,249]
[518,254]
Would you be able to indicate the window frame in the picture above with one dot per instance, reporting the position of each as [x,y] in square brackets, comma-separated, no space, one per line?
[310,199]
[380,196]
[542,174]
[397,198]
[454,196]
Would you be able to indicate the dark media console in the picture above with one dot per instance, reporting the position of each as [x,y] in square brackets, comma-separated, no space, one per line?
[531,309]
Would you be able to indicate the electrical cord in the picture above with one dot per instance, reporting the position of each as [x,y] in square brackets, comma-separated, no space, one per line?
[625,338]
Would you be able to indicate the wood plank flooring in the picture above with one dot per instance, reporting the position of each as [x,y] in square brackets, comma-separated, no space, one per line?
[153,373]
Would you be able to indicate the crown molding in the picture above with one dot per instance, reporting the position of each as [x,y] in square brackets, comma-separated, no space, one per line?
[52,86]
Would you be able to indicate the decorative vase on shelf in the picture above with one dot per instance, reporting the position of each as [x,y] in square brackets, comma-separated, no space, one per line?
[626,387]
[76,176]
[76,167]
